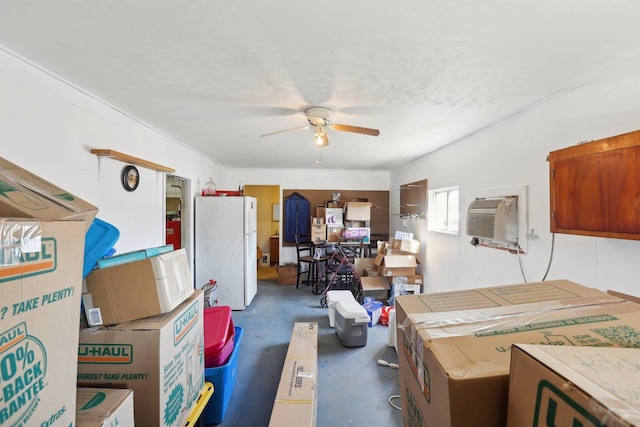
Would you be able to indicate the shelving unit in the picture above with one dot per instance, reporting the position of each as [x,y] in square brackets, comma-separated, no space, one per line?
[125,158]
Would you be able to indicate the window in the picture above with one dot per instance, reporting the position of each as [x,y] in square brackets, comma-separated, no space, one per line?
[443,210]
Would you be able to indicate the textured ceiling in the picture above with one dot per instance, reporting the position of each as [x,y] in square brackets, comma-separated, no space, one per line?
[216,75]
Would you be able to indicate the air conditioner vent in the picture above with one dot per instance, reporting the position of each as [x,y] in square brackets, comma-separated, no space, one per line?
[494,218]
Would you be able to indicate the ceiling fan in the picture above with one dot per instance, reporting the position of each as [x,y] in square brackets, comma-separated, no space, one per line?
[319,120]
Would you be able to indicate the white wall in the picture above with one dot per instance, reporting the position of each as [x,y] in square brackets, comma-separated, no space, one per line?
[513,153]
[48,127]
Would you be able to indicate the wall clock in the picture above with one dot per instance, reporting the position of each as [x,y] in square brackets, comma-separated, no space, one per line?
[130,178]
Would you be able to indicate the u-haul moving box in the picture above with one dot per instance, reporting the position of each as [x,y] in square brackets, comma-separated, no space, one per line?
[104,407]
[26,195]
[42,231]
[454,348]
[574,386]
[160,358]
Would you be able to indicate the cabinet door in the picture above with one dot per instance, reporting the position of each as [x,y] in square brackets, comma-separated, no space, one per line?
[595,190]
[274,248]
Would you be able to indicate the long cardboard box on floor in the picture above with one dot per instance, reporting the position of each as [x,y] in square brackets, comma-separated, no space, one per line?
[297,395]
[160,358]
[454,347]
[41,261]
[574,386]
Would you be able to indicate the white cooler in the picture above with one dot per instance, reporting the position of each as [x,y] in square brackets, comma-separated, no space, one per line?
[332,299]
[352,322]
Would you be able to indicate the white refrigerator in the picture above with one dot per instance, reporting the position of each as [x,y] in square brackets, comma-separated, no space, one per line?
[226,246]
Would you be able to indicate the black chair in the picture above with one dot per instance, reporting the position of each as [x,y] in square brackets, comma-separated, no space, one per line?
[304,252]
[353,248]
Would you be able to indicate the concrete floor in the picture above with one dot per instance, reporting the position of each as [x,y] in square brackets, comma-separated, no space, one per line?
[353,389]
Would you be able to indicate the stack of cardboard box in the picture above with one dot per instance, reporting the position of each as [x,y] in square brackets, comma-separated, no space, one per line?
[160,358]
[44,359]
[456,350]
[336,220]
[397,262]
[151,336]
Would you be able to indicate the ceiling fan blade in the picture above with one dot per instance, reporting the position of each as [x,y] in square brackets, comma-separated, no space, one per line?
[285,130]
[356,129]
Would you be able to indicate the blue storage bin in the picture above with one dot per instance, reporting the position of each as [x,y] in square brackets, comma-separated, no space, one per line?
[99,242]
[223,379]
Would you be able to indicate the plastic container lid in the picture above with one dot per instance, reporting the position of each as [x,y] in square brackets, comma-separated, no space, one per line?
[334,296]
[350,309]
[218,329]
[99,241]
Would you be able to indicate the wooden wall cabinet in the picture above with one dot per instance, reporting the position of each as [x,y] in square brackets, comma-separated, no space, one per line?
[413,199]
[594,188]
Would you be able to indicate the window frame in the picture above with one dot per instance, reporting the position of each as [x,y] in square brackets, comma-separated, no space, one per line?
[433,218]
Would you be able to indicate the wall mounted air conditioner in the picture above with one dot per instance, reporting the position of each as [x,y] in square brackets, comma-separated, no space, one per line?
[494,218]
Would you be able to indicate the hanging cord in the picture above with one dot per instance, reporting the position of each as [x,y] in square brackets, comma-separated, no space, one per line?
[553,241]
[520,261]
[553,244]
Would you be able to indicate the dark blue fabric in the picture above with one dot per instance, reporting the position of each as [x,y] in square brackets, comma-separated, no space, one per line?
[296,217]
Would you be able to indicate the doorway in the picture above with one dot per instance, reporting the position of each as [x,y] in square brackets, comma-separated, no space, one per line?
[176,212]
[268,225]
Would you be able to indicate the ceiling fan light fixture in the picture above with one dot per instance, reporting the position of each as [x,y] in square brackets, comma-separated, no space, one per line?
[321,136]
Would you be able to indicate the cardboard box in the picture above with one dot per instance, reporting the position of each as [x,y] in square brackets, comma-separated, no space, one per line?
[376,287]
[140,289]
[454,347]
[365,267]
[320,211]
[287,274]
[297,394]
[41,265]
[108,407]
[26,195]
[317,220]
[334,233]
[358,233]
[400,289]
[357,211]
[319,233]
[409,246]
[333,216]
[573,386]
[39,299]
[160,358]
[374,310]
[396,265]
[416,279]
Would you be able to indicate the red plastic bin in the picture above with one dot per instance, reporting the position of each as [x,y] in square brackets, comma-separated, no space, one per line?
[219,335]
